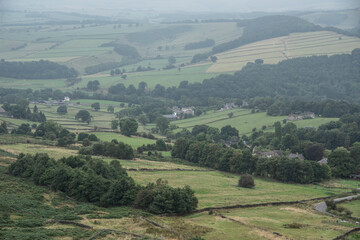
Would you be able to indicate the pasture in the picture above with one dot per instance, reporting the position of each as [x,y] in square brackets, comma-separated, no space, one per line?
[134,141]
[101,118]
[220,189]
[270,222]
[244,121]
[54,152]
[166,78]
[275,50]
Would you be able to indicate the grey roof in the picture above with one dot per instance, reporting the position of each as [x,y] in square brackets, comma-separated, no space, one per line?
[323,161]
[299,156]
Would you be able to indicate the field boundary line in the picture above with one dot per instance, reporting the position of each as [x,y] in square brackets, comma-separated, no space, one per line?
[256,205]
[347,234]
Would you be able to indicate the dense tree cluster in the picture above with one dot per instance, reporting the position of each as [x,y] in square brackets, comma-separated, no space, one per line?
[327,108]
[292,170]
[96,181]
[228,159]
[93,85]
[111,149]
[160,145]
[35,70]
[54,131]
[202,44]
[91,137]
[21,110]
[310,141]
[306,78]
[160,198]
[125,50]
[85,179]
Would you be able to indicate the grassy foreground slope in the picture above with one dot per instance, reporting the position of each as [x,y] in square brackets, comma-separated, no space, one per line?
[294,45]
[27,208]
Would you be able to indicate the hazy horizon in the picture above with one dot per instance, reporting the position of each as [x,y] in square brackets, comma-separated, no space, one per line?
[176,6]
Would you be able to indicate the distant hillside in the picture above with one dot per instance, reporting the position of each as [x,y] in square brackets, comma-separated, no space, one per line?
[344,19]
[266,28]
[307,78]
[294,45]
[35,70]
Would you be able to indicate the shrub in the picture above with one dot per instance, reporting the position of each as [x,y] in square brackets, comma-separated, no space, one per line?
[246,181]
[294,225]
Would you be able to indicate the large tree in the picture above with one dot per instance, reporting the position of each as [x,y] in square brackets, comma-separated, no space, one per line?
[83,116]
[162,124]
[128,126]
[341,163]
[227,132]
[96,106]
[62,110]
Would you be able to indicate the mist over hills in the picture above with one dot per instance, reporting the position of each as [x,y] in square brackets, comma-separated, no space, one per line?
[186,5]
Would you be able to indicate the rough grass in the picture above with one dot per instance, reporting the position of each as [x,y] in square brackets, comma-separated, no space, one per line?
[54,152]
[341,183]
[277,49]
[353,206]
[262,222]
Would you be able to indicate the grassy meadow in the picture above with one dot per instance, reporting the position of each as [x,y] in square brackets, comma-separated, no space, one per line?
[134,141]
[244,121]
[220,189]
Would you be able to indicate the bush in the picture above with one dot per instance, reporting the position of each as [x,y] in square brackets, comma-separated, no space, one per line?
[294,225]
[246,181]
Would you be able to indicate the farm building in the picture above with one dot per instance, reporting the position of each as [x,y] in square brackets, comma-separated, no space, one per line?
[3,113]
[323,161]
[293,155]
[301,116]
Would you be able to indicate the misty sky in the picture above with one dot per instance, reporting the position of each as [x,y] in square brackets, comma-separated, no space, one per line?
[182,5]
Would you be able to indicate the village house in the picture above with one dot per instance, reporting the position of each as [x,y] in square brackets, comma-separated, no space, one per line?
[180,112]
[301,116]
[228,106]
[170,116]
[296,155]
[323,161]
[3,113]
[269,154]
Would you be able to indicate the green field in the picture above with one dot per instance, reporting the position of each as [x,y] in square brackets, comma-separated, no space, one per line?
[220,189]
[54,152]
[101,119]
[277,49]
[243,120]
[166,78]
[135,142]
